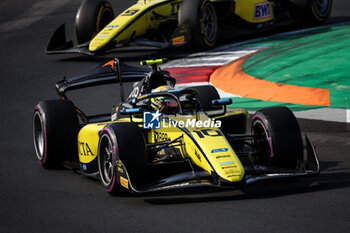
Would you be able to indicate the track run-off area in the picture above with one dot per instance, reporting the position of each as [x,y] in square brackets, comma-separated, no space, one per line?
[305,70]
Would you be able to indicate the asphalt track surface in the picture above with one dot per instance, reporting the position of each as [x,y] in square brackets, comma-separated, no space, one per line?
[36,200]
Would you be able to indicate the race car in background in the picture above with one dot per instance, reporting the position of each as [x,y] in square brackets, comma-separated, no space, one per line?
[161,138]
[159,24]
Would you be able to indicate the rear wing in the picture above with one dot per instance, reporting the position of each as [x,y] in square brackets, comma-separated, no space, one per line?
[101,75]
[111,71]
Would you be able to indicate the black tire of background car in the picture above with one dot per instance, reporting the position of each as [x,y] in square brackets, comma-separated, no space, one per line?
[283,145]
[192,12]
[315,12]
[207,93]
[92,17]
[129,143]
[55,132]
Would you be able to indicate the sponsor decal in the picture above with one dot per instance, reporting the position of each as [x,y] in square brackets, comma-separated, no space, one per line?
[120,170]
[112,26]
[160,137]
[84,167]
[222,156]
[229,172]
[178,185]
[135,92]
[178,40]
[208,132]
[262,10]
[225,163]
[110,63]
[232,176]
[219,150]
[118,163]
[102,35]
[228,167]
[124,182]
[151,120]
[84,149]
[130,12]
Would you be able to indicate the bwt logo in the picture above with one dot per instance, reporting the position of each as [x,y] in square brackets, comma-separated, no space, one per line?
[262,10]
[151,120]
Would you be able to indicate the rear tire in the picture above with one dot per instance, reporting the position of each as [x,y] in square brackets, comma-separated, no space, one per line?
[123,140]
[55,131]
[207,93]
[92,17]
[317,11]
[201,16]
[281,142]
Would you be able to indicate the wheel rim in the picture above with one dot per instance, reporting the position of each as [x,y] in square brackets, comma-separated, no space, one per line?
[105,18]
[262,141]
[106,160]
[321,6]
[39,135]
[208,21]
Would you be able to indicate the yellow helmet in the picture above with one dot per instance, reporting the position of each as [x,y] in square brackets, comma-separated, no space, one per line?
[161,103]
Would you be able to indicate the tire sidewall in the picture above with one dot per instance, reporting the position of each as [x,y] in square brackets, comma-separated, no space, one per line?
[208,43]
[283,135]
[111,187]
[207,93]
[259,118]
[128,147]
[191,10]
[320,17]
[89,18]
[60,125]
[40,114]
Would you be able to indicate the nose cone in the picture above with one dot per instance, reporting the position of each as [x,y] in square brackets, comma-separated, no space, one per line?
[226,164]
[105,36]
[98,42]
[220,154]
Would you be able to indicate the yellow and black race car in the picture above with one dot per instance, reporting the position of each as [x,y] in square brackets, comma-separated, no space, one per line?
[160,138]
[166,23]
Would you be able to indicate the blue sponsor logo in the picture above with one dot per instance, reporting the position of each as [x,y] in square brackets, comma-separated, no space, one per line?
[225,163]
[219,150]
[112,26]
[151,120]
[84,167]
[262,10]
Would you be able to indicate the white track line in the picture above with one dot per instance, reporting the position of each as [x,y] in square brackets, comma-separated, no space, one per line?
[211,58]
[325,114]
[228,53]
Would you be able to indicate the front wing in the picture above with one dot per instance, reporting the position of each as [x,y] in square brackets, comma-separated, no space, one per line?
[58,43]
[253,175]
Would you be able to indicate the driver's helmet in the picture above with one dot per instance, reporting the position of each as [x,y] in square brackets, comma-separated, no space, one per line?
[163,104]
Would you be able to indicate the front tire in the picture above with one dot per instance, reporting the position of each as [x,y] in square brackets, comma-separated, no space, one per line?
[122,141]
[55,131]
[201,16]
[92,17]
[278,137]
